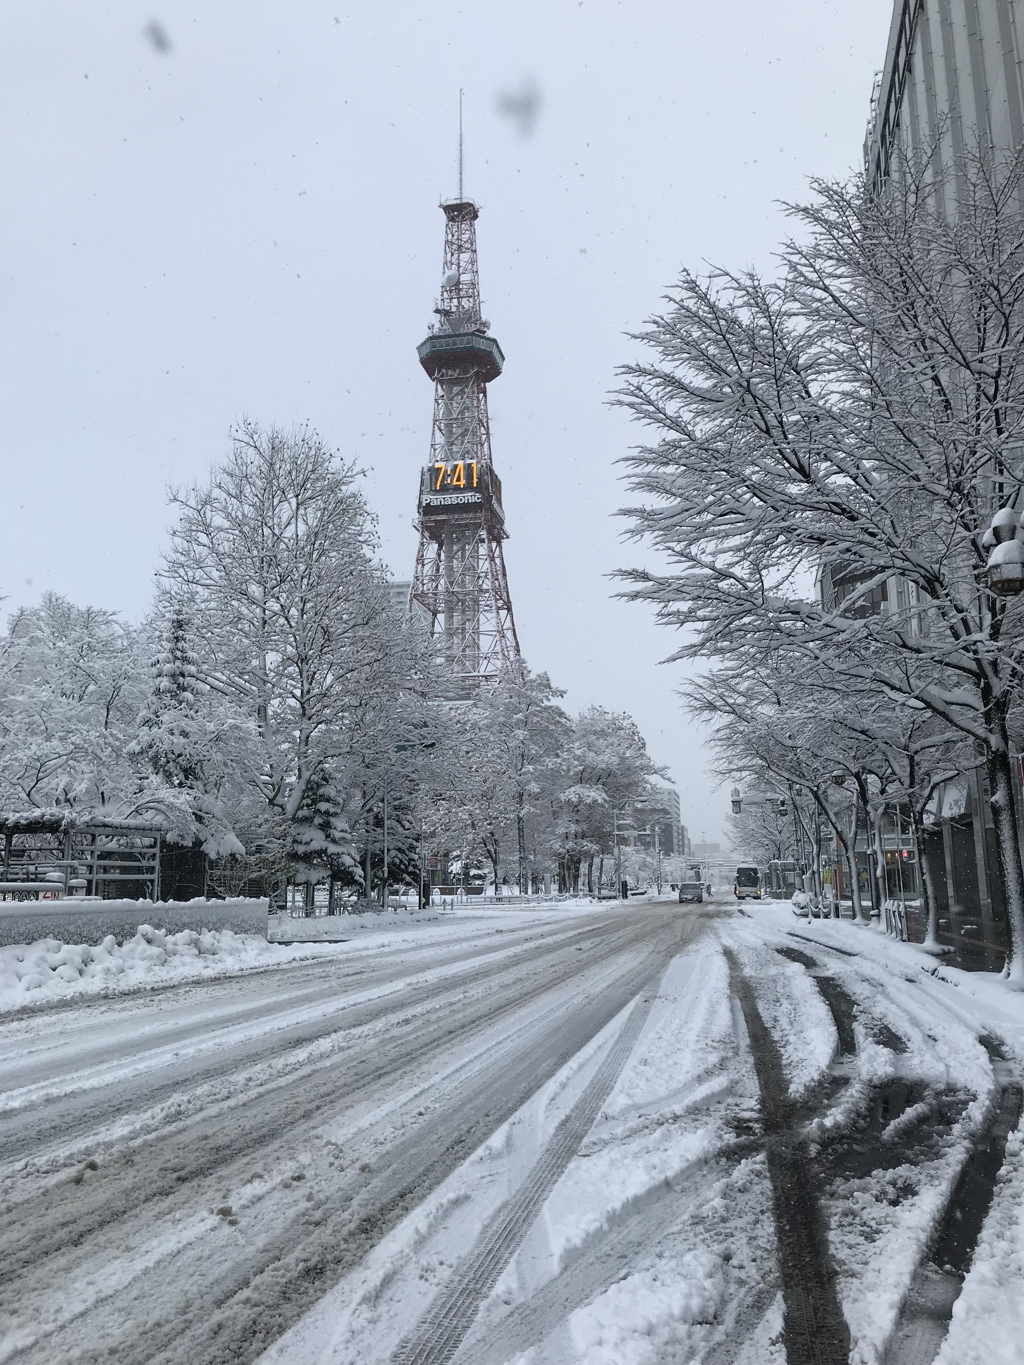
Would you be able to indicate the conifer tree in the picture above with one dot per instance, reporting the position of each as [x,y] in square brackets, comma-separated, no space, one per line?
[170,730]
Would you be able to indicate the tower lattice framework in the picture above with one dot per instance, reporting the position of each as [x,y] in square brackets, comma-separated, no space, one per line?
[460,580]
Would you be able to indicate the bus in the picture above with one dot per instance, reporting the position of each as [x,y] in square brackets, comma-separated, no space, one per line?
[747,885]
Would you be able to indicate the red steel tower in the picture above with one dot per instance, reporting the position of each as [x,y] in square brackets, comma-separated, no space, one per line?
[460,580]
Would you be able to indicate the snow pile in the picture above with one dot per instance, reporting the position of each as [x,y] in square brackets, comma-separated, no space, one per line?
[51,970]
[698,1284]
[673,1302]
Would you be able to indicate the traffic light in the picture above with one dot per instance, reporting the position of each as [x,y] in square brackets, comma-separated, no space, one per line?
[737,801]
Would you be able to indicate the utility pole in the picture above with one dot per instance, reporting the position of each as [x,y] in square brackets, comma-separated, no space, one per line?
[618,852]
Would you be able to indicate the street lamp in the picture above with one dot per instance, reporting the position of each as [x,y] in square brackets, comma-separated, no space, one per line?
[1005,564]
[776,802]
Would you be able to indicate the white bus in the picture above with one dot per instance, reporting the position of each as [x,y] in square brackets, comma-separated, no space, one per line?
[747,885]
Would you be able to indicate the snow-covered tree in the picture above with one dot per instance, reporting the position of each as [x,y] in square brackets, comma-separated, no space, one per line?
[171,736]
[506,775]
[272,559]
[192,747]
[321,839]
[606,771]
[859,416]
[70,687]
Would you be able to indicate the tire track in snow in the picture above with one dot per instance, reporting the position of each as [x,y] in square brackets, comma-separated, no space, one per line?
[168,1162]
[241,1314]
[27,1129]
[815,1329]
[604,1259]
[445,1325]
[233,1309]
[926,1313]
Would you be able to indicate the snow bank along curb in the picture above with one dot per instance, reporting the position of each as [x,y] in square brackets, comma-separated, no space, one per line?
[92,921]
[40,973]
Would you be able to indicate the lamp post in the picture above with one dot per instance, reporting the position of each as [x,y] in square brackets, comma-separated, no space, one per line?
[1005,564]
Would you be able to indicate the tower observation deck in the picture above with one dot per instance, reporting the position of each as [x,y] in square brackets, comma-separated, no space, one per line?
[460,581]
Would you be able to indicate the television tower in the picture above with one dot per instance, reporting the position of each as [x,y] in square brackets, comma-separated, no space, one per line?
[460,580]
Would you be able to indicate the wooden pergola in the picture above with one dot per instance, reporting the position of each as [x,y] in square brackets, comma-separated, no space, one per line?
[60,852]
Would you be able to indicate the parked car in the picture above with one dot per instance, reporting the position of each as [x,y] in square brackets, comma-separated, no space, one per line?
[800,903]
[691,891]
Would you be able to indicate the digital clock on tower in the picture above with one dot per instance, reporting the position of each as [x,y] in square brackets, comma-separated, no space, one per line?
[458,477]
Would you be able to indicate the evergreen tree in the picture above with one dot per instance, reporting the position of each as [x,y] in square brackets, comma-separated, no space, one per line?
[187,744]
[170,727]
[320,836]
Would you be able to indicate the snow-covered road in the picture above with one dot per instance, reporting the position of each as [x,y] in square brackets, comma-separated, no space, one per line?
[184,1174]
[639,1135]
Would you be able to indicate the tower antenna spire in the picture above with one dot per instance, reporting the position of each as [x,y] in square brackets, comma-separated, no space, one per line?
[460,142]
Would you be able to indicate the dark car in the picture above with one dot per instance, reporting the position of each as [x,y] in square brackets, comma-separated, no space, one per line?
[691,891]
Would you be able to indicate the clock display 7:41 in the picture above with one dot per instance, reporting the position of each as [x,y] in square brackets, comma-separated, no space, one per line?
[461,474]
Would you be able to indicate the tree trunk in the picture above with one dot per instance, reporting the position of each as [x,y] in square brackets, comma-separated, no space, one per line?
[816,886]
[873,844]
[590,876]
[877,860]
[929,901]
[1005,818]
[850,849]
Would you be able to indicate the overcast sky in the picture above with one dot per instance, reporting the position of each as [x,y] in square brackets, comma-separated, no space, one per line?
[228,208]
